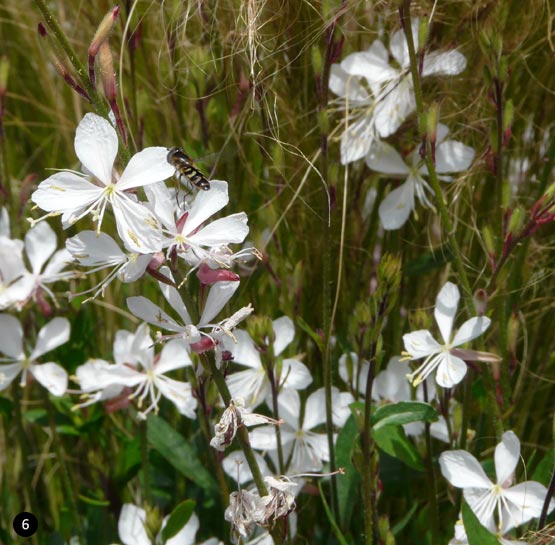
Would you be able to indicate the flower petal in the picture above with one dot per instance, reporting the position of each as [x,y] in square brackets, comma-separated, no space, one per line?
[11,337]
[229,230]
[174,355]
[453,156]
[507,454]
[420,344]
[524,501]
[384,158]
[91,249]
[180,394]
[285,333]
[40,244]
[449,63]
[294,374]
[398,43]
[65,192]
[52,376]
[393,105]
[131,527]
[96,146]
[244,352]
[146,310]
[395,209]
[206,204]
[345,85]
[263,438]
[218,296]
[450,371]
[470,330]
[53,334]
[462,470]
[447,302]
[146,167]
[8,373]
[357,139]
[235,465]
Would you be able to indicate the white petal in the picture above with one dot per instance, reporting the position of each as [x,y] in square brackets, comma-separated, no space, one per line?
[315,409]
[136,225]
[146,310]
[357,139]
[135,268]
[131,525]
[391,384]
[447,302]
[173,297]
[525,501]
[128,347]
[52,376]
[4,223]
[484,503]
[11,260]
[163,203]
[53,334]
[507,454]
[384,158]
[220,293]
[285,333]
[395,209]
[8,373]
[420,344]
[229,230]
[59,261]
[187,534]
[252,385]
[290,407]
[450,371]
[294,374]
[470,330]
[453,156]
[263,438]
[450,63]
[180,394]
[11,337]
[462,470]
[235,465]
[174,355]
[343,85]
[206,204]
[96,146]
[91,249]
[394,104]
[65,192]
[146,167]
[370,64]
[398,43]
[244,352]
[40,244]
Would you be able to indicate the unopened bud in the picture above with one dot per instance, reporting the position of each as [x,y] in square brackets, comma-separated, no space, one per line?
[513,328]
[323,122]
[487,236]
[550,192]
[107,74]
[153,522]
[503,69]
[317,62]
[517,220]
[208,276]
[431,123]
[508,118]
[423,31]
[4,71]
[481,301]
[261,330]
[102,34]
[506,194]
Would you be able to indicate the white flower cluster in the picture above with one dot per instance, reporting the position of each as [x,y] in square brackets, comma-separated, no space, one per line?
[377,97]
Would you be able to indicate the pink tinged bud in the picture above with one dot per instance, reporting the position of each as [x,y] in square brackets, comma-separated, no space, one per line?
[208,276]
[102,34]
[108,77]
[481,301]
[158,259]
[203,345]
[42,303]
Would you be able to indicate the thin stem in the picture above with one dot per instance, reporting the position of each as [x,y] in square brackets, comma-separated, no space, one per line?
[143,432]
[67,481]
[275,408]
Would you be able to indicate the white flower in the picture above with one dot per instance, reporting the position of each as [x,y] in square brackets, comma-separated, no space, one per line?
[379,111]
[461,538]
[236,466]
[132,531]
[450,156]
[513,505]
[74,196]
[307,449]
[50,375]
[101,251]
[16,284]
[253,384]
[420,344]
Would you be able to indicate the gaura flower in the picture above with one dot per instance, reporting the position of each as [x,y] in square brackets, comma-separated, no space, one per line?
[378,109]
[74,196]
[420,344]
[498,506]
[451,156]
[50,375]
[461,538]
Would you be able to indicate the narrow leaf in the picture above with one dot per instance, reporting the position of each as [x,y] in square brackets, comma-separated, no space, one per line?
[177,520]
[403,413]
[392,439]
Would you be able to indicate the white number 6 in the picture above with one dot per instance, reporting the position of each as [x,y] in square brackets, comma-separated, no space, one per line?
[25,524]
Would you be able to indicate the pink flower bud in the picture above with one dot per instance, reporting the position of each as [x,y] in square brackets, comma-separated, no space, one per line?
[208,276]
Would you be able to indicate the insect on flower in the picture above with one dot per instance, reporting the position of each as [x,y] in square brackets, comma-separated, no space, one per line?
[185,170]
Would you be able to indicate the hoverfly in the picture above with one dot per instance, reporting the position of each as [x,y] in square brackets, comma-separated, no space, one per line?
[185,170]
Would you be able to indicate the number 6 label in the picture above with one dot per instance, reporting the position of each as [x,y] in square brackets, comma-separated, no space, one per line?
[25,524]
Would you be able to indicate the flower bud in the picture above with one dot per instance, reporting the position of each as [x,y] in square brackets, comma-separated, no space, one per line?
[317,62]
[481,301]
[503,69]
[102,34]
[208,276]
[487,237]
[4,71]
[517,220]
[261,330]
[423,31]
[508,118]
[431,123]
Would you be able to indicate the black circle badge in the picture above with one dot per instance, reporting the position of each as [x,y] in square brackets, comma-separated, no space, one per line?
[25,524]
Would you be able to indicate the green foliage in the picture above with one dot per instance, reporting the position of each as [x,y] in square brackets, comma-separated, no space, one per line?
[177,520]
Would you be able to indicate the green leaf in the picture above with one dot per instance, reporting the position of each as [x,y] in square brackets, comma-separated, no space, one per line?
[94,501]
[392,439]
[475,532]
[426,263]
[346,484]
[177,520]
[403,413]
[6,406]
[179,453]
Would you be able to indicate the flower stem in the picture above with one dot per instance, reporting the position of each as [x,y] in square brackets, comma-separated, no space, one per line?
[143,432]
[64,470]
